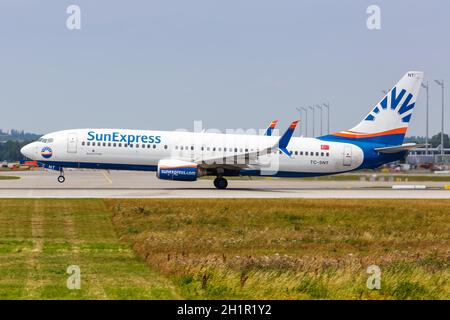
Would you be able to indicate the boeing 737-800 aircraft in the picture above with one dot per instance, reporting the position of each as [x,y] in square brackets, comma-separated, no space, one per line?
[185,156]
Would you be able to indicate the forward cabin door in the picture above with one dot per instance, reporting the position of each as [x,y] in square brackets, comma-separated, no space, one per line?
[347,156]
[72,143]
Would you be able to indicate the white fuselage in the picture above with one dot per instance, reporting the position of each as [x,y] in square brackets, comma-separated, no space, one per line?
[142,150]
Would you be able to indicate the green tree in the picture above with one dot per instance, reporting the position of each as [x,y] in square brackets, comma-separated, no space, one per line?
[10,150]
[436,140]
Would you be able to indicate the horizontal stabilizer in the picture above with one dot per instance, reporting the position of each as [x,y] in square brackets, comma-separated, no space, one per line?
[403,147]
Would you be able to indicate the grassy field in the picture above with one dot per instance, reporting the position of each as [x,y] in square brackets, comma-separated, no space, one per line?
[220,248]
[39,239]
[292,249]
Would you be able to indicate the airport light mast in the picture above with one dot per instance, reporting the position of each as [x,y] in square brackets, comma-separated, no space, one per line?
[441,84]
[314,120]
[321,114]
[306,120]
[301,119]
[426,87]
[327,106]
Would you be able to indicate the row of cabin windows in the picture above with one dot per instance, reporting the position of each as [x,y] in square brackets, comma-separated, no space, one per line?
[148,146]
[310,153]
[114,144]
[301,153]
[212,149]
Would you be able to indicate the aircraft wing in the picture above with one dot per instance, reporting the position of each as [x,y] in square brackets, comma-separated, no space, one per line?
[242,160]
[400,148]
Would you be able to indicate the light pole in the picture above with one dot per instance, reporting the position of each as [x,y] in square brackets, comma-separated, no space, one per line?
[306,120]
[321,113]
[314,120]
[327,105]
[441,84]
[301,119]
[426,87]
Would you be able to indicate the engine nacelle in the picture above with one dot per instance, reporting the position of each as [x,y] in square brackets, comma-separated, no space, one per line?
[172,169]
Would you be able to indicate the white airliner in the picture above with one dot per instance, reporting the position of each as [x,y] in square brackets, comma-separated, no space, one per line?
[185,156]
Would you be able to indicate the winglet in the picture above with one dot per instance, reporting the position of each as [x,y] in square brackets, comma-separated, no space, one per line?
[271,127]
[286,137]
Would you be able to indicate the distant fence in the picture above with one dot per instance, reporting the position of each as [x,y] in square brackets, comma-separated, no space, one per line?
[418,159]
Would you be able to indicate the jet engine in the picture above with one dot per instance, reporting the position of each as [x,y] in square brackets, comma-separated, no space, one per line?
[179,170]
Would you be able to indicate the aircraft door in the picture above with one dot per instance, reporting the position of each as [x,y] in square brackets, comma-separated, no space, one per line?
[347,156]
[72,143]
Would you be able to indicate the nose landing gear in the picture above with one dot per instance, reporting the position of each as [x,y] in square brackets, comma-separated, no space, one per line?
[220,183]
[61,177]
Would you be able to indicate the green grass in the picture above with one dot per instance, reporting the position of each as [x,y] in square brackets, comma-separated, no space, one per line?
[224,248]
[39,239]
[9,177]
[292,249]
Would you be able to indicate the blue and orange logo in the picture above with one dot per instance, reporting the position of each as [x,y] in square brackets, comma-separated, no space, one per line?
[394,104]
[46,152]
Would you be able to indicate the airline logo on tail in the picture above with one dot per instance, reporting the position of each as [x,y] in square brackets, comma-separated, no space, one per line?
[388,121]
[392,101]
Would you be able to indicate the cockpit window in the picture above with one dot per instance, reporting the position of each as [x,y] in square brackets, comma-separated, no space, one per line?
[44,140]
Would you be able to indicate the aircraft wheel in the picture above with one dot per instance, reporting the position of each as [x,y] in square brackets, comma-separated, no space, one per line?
[220,183]
[61,179]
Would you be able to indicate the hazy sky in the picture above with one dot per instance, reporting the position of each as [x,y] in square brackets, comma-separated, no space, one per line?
[233,64]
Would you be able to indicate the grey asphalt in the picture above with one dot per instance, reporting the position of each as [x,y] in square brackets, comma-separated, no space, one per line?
[130,184]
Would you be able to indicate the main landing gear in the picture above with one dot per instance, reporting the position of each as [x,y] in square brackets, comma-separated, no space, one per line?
[220,183]
[61,178]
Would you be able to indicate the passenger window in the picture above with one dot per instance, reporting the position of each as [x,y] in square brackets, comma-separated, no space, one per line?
[137,145]
[207,148]
[114,144]
[296,153]
[154,146]
[131,145]
[109,144]
[321,154]
[125,145]
[165,146]
[235,149]
[214,149]
[83,143]
[306,153]
[328,154]
[301,153]
[176,147]
[317,154]
[246,150]
[88,143]
[120,145]
[104,144]
[192,147]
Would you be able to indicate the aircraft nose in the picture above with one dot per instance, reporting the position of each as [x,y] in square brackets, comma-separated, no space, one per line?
[27,151]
